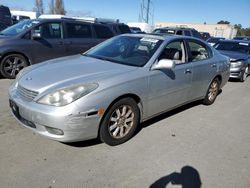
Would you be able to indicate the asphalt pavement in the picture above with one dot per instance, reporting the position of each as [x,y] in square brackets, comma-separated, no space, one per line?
[194,146]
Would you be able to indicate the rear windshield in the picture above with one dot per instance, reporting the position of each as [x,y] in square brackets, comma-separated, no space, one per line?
[234,46]
[164,31]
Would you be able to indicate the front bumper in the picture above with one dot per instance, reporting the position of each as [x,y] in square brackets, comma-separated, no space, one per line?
[236,72]
[74,124]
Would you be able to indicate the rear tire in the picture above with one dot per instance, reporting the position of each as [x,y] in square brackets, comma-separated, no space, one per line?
[11,65]
[120,122]
[212,92]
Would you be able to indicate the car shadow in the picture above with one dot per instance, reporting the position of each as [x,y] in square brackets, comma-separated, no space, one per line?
[86,143]
[188,178]
[168,114]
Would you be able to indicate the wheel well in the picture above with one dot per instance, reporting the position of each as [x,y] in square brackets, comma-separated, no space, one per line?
[129,95]
[9,53]
[219,77]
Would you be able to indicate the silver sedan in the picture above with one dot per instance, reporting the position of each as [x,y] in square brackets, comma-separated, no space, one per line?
[107,91]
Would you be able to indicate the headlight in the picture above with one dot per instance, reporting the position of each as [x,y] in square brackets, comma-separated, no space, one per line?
[236,64]
[67,95]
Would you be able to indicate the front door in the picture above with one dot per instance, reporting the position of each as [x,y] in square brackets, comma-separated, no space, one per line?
[50,45]
[169,88]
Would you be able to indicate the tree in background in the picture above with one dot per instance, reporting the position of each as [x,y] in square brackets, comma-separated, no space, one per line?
[56,7]
[38,7]
[223,22]
[59,7]
[242,31]
[52,7]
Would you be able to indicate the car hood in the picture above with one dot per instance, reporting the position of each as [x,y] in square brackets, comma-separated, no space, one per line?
[4,38]
[234,55]
[70,70]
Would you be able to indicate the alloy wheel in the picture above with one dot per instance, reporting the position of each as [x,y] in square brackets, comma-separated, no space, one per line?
[213,90]
[121,121]
[12,65]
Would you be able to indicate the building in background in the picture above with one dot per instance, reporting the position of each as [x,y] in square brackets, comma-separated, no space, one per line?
[215,30]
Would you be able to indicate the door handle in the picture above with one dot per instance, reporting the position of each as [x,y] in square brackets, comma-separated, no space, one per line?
[188,71]
[60,43]
[213,65]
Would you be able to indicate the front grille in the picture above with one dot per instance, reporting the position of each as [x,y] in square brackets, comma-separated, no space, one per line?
[26,94]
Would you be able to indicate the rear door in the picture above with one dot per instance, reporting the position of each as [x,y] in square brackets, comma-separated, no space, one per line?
[79,37]
[204,67]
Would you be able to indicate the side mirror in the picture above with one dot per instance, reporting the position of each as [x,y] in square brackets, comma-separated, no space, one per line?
[36,36]
[164,64]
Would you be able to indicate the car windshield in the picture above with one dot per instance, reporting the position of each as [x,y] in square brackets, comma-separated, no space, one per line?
[19,27]
[234,46]
[126,50]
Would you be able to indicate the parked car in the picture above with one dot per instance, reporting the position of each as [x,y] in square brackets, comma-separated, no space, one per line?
[107,91]
[5,17]
[242,38]
[177,31]
[136,30]
[119,28]
[239,53]
[34,41]
[213,40]
[205,35]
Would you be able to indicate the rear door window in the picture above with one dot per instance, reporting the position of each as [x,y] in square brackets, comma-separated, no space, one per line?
[124,29]
[198,51]
[78,30]
[179,32]
[103,31]
[187,33]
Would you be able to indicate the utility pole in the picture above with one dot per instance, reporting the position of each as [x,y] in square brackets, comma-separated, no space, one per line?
[146,11]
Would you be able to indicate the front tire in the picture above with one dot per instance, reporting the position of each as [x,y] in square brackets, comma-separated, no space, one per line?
[11,65]
[244,75]
[120,122]
[212,92]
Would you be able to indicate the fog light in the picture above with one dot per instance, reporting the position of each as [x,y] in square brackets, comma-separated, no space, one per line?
[54,131]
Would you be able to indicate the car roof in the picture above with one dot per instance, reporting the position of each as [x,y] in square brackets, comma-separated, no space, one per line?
[176,28]
[163,37]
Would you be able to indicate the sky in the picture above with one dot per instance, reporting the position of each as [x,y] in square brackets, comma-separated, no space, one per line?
[182,11]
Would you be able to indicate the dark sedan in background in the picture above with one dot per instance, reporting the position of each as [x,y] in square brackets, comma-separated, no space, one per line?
[239,54]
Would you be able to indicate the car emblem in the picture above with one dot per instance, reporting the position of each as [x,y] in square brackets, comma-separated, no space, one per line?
[29,78]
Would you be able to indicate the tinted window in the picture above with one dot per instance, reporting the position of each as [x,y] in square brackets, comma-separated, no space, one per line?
[49,30]
[179,32]
[197,51]
[103,31]
[196,34]
[78,30]
[187,33]
[124,29]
